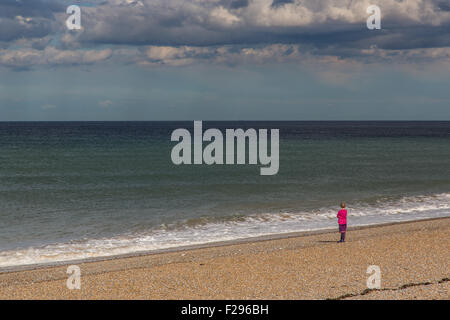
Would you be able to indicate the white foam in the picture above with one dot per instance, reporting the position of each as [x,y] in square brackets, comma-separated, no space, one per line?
[408,208]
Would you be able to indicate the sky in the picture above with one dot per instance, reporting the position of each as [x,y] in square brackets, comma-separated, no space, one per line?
[224,60]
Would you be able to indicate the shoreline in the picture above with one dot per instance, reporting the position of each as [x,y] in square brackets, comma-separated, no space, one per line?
[268,237]
[413,257]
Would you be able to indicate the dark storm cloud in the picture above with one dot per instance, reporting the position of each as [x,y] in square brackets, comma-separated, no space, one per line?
[234,4]
[12,29]
[317,27]
[281,2]
[30,8]
[444,5]
[27,18]
[322,23]
[231,22]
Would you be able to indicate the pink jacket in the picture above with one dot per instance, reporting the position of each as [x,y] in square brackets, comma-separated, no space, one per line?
[342,216]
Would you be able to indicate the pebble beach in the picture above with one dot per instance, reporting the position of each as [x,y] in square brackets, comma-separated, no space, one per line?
[413,257]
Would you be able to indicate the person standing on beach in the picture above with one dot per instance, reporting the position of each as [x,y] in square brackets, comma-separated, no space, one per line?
[342,221]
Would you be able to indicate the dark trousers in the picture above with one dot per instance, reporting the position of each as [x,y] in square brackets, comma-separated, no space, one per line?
[342,230]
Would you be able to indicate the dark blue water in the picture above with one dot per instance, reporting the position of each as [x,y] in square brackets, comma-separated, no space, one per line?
[80,189]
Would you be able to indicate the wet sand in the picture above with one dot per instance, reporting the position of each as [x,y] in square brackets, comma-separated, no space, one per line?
[414,259]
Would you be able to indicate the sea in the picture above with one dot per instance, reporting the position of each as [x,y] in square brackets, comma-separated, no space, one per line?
[78,190]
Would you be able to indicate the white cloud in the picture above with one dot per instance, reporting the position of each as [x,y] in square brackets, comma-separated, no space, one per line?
[105,104]
[28,57]
[223,17]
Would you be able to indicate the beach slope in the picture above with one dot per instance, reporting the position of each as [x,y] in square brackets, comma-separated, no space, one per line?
[413,258]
